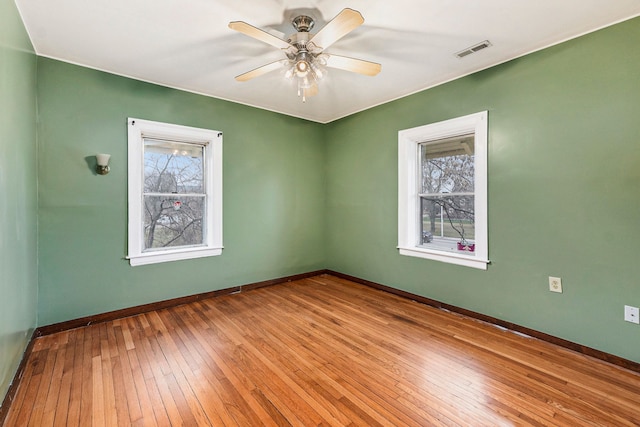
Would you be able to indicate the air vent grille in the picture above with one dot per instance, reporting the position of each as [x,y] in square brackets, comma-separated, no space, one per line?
[473,49]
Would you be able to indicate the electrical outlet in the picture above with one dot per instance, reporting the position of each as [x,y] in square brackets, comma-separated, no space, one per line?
[631,314]
[555,284]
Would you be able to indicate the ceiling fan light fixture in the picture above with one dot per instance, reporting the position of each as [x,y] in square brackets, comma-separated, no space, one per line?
[302,68]
[302,62]
[304,83]
[317,70]
[319,65]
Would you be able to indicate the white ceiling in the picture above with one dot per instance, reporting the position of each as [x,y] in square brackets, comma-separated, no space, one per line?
[188,45]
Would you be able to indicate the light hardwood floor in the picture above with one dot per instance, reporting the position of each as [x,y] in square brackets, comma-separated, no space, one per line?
[320,351]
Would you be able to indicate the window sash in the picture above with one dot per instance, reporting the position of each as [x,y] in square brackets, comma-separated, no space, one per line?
[180,150]
[176,219]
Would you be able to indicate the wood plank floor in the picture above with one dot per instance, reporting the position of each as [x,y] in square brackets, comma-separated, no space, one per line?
[316,352]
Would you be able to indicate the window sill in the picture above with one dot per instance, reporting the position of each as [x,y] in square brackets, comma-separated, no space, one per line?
[177,255]
[451,258]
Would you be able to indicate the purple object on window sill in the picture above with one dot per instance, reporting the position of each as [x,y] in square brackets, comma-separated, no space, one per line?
[469,247]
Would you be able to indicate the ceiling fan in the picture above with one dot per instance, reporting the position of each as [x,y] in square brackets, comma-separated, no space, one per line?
[306,57]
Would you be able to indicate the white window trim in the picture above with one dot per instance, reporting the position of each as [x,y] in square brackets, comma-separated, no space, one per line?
[138,130]
[408,187]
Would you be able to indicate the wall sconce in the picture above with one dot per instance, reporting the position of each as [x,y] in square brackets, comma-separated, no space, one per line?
[102,167]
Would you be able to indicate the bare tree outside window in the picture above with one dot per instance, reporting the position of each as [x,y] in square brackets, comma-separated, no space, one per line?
[174,194]
[447,189]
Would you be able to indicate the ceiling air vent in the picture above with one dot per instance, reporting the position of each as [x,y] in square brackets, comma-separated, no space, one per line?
[473,49]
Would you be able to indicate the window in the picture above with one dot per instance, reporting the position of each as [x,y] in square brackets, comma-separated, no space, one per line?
[175,192]
[442,191]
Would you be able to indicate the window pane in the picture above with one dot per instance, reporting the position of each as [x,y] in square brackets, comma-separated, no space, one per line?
[447,166]
[173,221]
[173,167]
[447,217]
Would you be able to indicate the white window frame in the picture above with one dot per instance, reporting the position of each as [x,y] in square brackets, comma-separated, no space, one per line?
[409,215]
[138,130]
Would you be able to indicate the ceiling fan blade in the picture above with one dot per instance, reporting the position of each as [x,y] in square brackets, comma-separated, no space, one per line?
[258,34]
[343,23]
[354,65]
[256,72]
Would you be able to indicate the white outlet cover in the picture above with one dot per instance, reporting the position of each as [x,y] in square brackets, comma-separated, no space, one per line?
[632,314]
[555,284]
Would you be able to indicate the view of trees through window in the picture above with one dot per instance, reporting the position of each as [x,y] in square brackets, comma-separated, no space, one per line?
[447,190]
[174,194]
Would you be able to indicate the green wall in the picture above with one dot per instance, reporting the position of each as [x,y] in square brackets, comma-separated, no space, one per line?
[274,194]
[564,175]
[18,203]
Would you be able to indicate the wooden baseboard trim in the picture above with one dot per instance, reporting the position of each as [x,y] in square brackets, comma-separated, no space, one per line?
[144,308]
[610,358]
[13,387]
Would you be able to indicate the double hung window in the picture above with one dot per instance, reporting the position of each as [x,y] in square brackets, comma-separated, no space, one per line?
[442,191]
[175,192]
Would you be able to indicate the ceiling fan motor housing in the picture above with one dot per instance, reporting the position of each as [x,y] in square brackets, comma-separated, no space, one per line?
[303,23]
